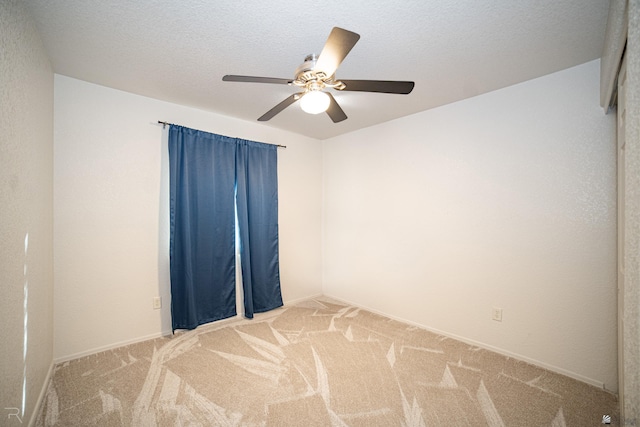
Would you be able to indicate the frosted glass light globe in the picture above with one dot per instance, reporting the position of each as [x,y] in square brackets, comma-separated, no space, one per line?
[315,102]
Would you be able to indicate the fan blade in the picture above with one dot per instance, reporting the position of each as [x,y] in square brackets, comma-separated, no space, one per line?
[382,86]
[250,79]
[335,111]
[278,108]
[337,47]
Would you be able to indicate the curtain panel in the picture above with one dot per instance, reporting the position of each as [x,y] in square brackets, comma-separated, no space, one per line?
[257,201]
[211,175]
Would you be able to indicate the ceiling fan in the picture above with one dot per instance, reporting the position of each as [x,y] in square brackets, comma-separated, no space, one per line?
[317,73]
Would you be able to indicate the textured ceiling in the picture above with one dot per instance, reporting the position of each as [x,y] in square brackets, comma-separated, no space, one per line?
[178,51]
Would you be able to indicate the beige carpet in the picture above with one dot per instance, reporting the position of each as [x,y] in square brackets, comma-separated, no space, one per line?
[318,363]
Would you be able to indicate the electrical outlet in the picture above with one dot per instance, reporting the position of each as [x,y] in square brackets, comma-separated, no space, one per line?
[496,314]
[157,303]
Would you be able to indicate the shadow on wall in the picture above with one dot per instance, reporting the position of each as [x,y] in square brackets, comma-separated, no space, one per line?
[164,275]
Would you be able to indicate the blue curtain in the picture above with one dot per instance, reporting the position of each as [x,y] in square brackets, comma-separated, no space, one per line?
[257,199]
[205,170]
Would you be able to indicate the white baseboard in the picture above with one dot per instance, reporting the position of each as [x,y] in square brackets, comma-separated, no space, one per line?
[303,299]
[112,346]
[43,393]
[498,350]
[100,349]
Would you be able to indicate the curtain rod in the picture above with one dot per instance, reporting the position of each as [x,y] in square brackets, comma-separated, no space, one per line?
[169,124]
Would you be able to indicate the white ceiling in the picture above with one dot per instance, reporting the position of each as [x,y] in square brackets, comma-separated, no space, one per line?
[178,51]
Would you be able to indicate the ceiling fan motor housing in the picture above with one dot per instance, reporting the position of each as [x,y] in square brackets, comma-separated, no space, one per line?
[306,74]
[310,79]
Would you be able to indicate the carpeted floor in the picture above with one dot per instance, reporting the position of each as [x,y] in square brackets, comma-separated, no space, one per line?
[317,363]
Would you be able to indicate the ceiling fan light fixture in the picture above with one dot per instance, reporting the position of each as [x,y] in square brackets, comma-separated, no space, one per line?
[315,102]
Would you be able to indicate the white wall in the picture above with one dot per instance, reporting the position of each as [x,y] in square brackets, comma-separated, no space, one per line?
[111,212]
[26,215]
[503,200]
